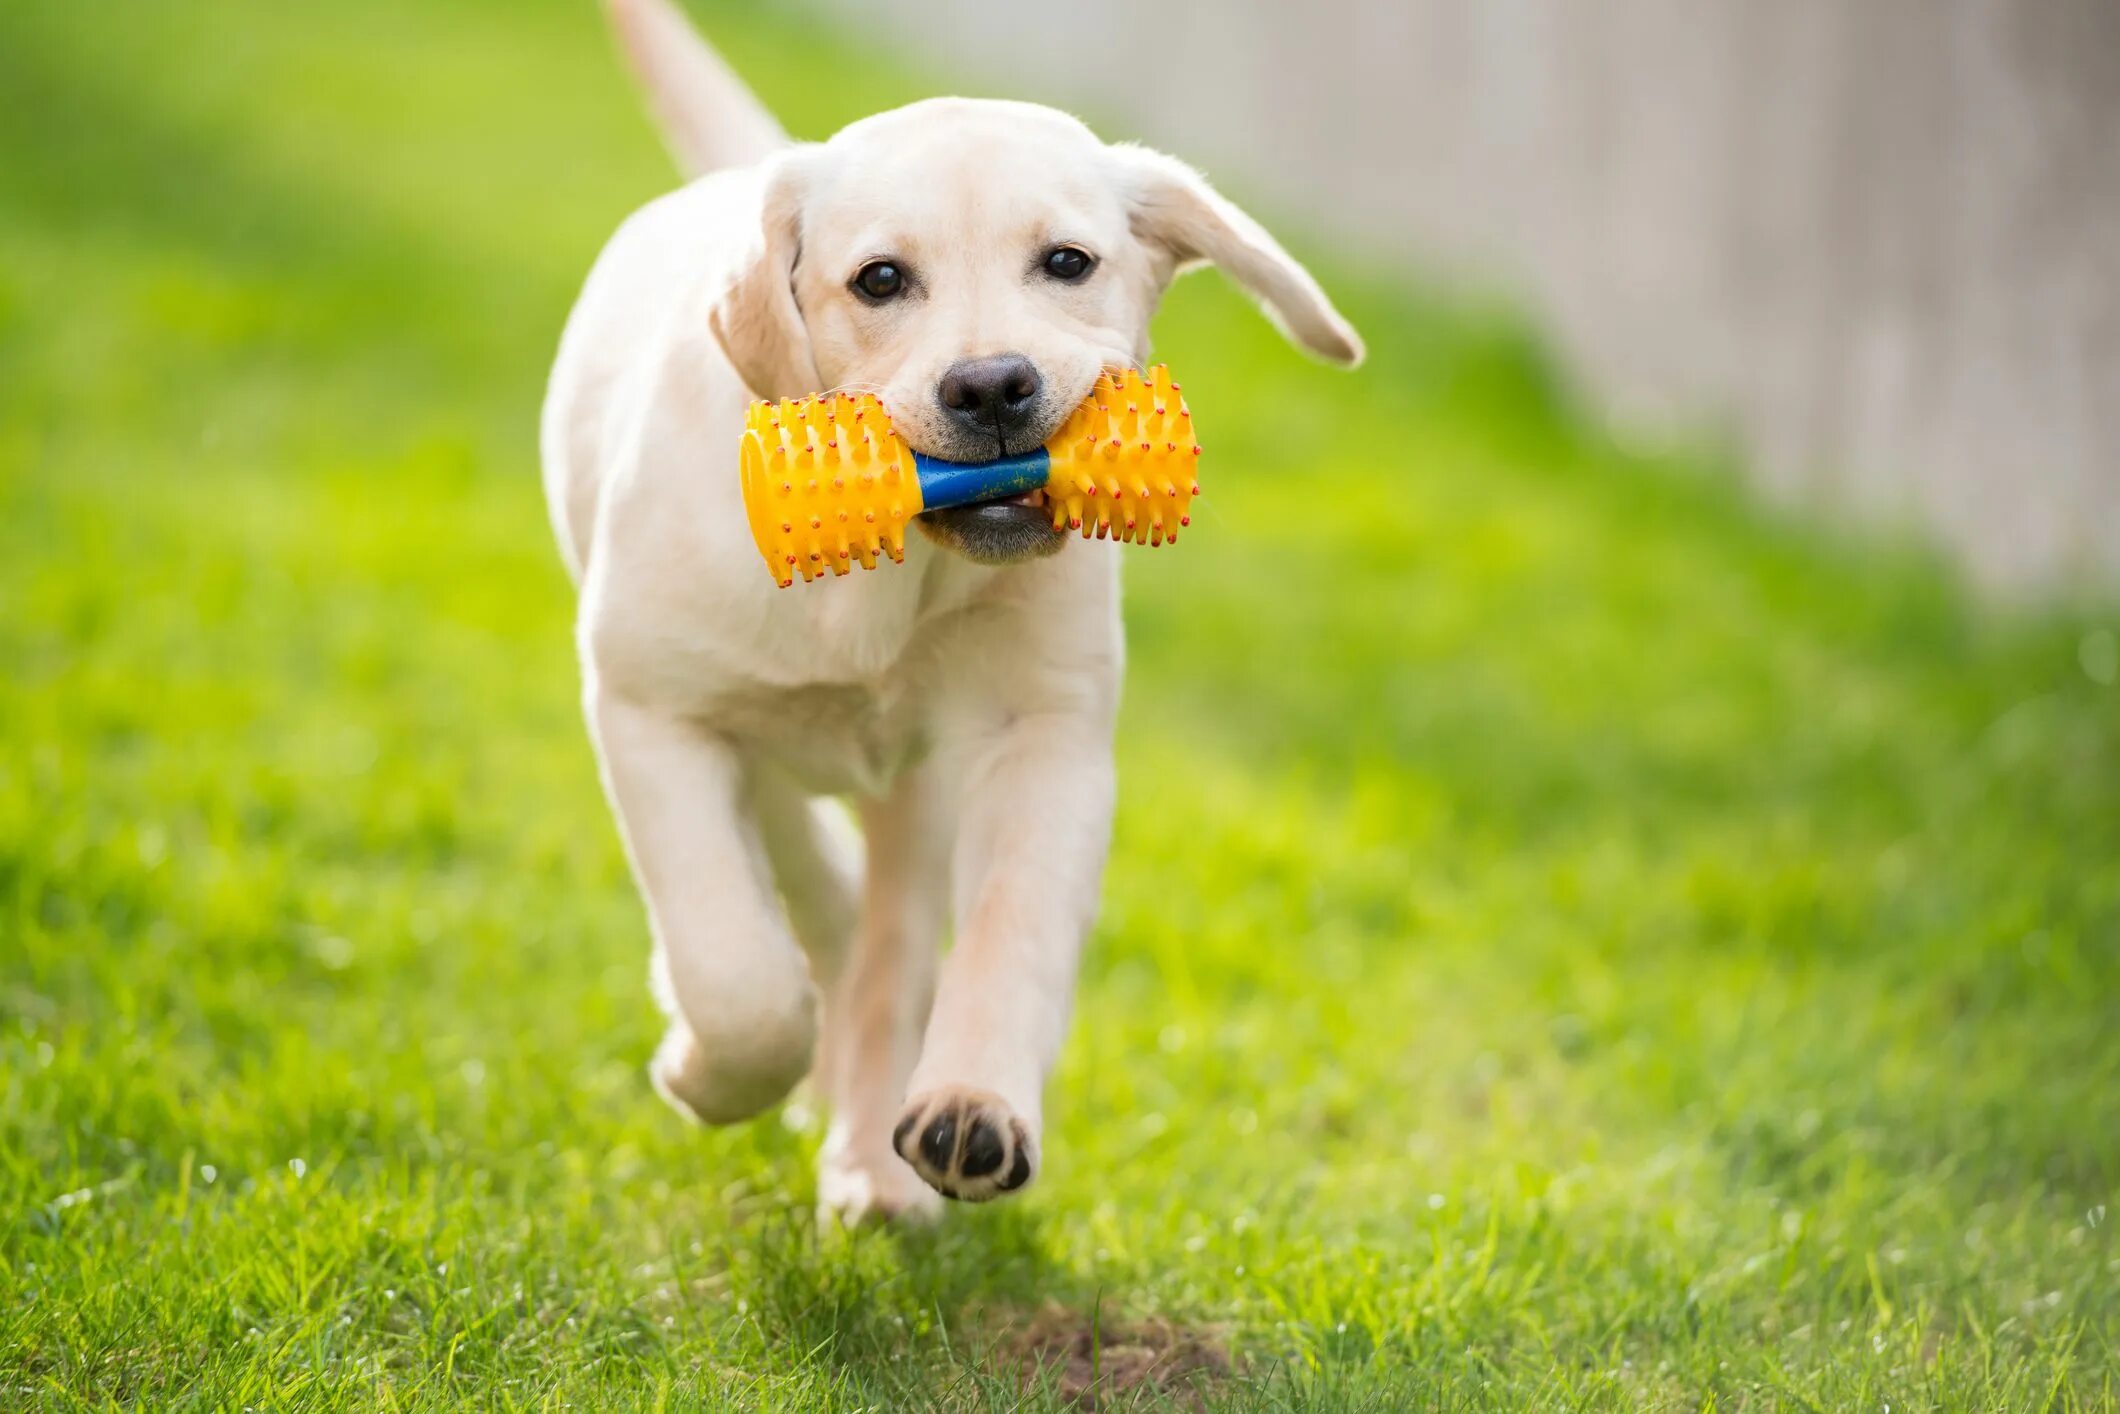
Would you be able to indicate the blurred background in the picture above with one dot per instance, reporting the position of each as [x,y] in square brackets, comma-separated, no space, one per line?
[1877,246]
[1615,899]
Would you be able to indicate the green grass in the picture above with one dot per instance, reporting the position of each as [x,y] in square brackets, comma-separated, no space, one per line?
[1573,940]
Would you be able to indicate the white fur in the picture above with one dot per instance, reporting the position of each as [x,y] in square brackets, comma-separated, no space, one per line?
[968,710]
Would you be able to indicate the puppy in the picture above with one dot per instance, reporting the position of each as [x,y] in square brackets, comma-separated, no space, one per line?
[975,264]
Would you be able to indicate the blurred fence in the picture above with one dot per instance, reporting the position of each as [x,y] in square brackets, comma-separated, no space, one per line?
[1878,240]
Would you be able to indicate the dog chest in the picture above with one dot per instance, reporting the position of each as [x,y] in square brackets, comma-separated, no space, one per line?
[832,737]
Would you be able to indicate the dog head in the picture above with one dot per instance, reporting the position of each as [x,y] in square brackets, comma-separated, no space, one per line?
[976,264]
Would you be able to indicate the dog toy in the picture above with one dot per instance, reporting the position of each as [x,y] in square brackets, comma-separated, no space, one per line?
[827,483]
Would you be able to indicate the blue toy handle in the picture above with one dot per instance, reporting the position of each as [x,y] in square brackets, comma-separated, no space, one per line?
[944,484]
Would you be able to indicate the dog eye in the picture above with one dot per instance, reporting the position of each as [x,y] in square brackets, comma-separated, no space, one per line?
[880,280]
[1067,263]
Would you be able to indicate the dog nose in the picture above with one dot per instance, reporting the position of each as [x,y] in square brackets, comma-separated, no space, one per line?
[991,394]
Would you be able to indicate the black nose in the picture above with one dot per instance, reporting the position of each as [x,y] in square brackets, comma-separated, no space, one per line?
[993,395]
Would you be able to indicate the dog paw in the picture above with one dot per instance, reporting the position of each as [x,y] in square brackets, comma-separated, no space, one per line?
[741,1081]
[967,1144]
[856,1192]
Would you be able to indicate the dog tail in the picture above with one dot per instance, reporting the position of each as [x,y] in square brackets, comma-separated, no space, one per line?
[709,119]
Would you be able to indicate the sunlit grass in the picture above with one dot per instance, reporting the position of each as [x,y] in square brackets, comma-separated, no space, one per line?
[1571,939]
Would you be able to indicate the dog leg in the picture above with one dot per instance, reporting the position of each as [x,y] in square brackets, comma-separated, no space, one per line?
[1028,862]
[737,988]
[874,1015]
[816,853]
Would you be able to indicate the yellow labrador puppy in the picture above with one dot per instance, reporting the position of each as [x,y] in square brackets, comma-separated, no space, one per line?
[975,264]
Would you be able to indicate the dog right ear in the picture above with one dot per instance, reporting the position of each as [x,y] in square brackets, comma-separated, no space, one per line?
[756,319]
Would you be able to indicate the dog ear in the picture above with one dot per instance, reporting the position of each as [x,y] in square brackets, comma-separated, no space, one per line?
[1175,211]
[756,319]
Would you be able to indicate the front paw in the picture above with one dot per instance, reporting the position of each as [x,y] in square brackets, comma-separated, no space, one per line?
[966,1143]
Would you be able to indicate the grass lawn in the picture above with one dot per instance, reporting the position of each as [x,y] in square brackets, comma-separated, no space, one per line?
[1573,939]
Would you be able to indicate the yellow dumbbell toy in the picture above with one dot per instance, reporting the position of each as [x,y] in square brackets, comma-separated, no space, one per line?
[827,483]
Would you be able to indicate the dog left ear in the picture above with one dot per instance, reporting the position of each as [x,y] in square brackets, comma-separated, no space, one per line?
[756,319]
[1174,209]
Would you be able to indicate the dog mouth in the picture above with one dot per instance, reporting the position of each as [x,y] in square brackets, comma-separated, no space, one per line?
[1035,499]
[1001,530]
[1005,530]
